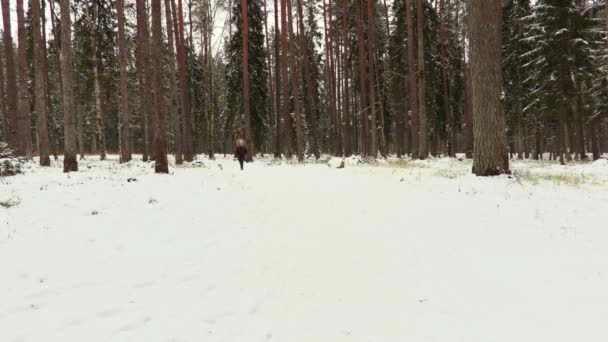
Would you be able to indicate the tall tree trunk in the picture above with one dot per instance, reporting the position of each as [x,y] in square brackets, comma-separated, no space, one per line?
[362,80]
[144,83]
[412,81]
[372,88]
[23,102]
[40,94]
[80,119]
[332,73]
[69,160]
[273,99]
[295,75]
[285,81]
[47,98]
[423,134]
[174,106]
[160,143]
[184,87]
[348,149]
[490,141]
[446,100]
[125,117]
[96,88]
[277,65]
[5,128]
[11,78]
[312,108]
[246,109]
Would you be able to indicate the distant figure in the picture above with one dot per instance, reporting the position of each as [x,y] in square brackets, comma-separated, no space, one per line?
[241,151]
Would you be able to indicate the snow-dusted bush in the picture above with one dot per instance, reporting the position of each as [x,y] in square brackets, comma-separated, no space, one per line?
[9,165]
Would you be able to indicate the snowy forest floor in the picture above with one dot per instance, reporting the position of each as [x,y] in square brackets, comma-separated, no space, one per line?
[398,251]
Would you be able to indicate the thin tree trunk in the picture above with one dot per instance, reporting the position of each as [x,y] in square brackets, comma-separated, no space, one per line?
[96,88]
[246,109]
[23,102]
[312,108]
[423,134]
[412,82]
[348,149]
[362,79]
[184,87]
[160,144]
[144,84]
[40,93]
[490,141]
[125,117]
[5,127]
[277,64]
[285,81]
[295,85]
[69,161]
[273,99]
[446,100]
[372,88]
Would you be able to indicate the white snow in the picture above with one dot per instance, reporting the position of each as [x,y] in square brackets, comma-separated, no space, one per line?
[395,251]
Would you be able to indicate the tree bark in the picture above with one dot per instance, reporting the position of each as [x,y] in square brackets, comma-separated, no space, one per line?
[23,102]
[11,78]
[69,161]
[277,77]
[490,141]
[125,116]
[174,106]
[312,108]
[371,76]
[362,80]
[412,82]
[99,120]
[246,109]
[348,148]
[285,81]
[40,93]
[184,87]
[423,134]
[160,143]
[446,97]
[295,85]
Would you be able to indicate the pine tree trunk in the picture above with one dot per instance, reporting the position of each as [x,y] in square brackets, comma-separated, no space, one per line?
[446,99]
[277,73]
[96,89]
[23,102]
[125,116]
[246,109]
[490,141]
[40,93]
[160,144]
[372,88]
[184,87]
[3,113]
[295,85]
[285,81]
[348,149]
[143,76]
[174,106]
[363,114]
[412,82]
[273,105]
[11,78]
[69,161]
[312,108]
[423,134]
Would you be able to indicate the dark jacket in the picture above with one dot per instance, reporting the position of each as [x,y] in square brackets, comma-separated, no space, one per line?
[240,153]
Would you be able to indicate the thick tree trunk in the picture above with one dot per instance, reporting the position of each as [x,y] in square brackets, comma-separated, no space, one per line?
[412,82]
[174,105]
[24,120]
[423,134]
[160,144]
[285,81]
[125,116]
[69,161]
[490,141]
[40,93]
[11,78]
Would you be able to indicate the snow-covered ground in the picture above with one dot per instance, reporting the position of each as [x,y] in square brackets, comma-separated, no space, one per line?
[398,251]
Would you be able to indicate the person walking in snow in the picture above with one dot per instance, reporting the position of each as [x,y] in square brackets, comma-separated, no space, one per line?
[240,152]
